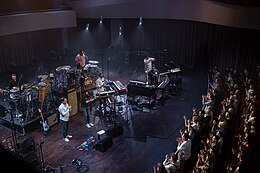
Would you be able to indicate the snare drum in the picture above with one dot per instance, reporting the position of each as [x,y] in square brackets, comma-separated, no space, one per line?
[88,81]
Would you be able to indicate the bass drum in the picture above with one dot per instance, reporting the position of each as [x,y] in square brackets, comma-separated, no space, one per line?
[88,81]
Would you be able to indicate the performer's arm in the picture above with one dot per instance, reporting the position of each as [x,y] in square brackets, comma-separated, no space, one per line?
[64,111]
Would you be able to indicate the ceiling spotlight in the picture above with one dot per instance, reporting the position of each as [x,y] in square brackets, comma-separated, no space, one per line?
[120,31]
[140,20]
[101,19]
[87,27]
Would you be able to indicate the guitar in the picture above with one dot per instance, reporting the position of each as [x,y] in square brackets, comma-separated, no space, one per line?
[45,125]
[89,100]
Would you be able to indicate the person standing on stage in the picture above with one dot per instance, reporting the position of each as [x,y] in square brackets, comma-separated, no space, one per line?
[64,110]
[81,59]
[85,105]
[148,61]
[153,76]
[100,83]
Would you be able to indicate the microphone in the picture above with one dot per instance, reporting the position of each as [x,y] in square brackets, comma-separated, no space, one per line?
[167,65]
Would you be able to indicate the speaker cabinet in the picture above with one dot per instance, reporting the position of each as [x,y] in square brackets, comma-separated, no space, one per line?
[73,101]
[32,159]
[115,131]
[104,144]
[53,119]
[28,145]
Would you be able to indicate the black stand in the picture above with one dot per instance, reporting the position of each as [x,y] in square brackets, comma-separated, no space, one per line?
[108,60]
[103,105]
[44,167]
[13,132]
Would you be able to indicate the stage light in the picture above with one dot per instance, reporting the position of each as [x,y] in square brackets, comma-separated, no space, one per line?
[120,31]
[140,21]
[101,19]
[87,27]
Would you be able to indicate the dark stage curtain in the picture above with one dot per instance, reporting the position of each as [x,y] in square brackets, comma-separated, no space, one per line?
[196,44]
[20,49]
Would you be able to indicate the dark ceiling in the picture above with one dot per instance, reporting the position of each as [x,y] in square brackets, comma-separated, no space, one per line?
[241,2]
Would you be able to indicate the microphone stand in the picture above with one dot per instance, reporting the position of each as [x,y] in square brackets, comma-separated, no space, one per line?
[44,168]
[108,60]
[19,81]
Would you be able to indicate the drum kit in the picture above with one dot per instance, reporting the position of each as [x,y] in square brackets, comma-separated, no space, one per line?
[67,77]
[23,99]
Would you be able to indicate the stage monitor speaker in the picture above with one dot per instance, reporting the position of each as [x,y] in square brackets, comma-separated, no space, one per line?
[73,101]
[52,119]
[115,131]
[28,145]
[32,159]
[104,144]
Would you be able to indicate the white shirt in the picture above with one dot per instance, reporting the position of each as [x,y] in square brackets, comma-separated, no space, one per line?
[186,148]
[100,84]
[171,167]
[148,64]
[64,112]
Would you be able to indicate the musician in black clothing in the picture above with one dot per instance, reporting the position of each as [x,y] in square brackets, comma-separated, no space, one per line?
[14,82]
[154,76]
[87,98]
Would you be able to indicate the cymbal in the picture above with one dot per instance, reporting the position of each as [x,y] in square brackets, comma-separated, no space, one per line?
[93,62]
[63,68]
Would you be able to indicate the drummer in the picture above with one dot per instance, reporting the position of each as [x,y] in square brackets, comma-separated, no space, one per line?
[81,59]
[14,82]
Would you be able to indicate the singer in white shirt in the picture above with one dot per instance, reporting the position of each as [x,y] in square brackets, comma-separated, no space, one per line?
[64,110]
